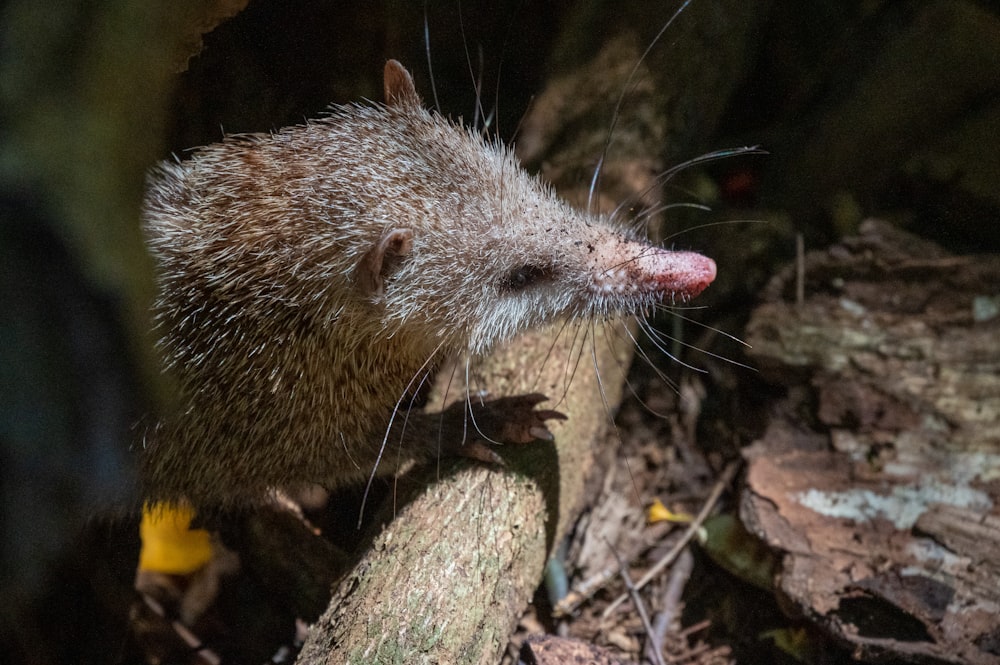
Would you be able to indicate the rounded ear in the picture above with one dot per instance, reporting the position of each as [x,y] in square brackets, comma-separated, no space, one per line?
[381,260]
[399,89]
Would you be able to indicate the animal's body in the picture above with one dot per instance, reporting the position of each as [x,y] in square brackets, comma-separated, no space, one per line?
[310,278]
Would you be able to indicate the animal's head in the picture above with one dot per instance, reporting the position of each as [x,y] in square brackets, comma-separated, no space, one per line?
[494,251]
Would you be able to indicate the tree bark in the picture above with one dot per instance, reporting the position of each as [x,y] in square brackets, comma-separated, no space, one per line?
[876,477]
[449,576]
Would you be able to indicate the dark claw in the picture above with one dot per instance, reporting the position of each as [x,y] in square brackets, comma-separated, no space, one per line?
[542,433]
[480,452]
[504,420]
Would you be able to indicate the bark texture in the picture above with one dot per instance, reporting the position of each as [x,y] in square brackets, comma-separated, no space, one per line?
[877,475]
[447,579]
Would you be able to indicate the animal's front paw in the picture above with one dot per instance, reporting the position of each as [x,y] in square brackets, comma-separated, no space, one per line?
[498,421]
[513,419]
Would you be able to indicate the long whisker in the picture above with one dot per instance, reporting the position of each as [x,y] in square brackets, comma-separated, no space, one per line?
[503,54]
[388,429]
[663,338]
[658,343]
[444,402]
[714,156]
[644,216]
[548,354]
[632,389]
[575,364]
[595,180]
[471,412]
[476,80]
[706,225]
[645,356]
[414,394]
[708,157]
[673,312]
[430,66]
[607,408]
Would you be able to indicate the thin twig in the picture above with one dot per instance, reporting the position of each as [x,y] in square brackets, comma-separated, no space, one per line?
[192,641]
[654,646]
[695,628]
[588,588]
[724,480]
[671,604]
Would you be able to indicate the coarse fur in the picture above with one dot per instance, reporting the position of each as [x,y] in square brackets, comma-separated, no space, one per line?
[310,278]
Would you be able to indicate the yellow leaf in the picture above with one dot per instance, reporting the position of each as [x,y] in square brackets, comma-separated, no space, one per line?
[169,545]
[657,512]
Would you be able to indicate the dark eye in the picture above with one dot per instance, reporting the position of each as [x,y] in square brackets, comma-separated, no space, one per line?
[524,276]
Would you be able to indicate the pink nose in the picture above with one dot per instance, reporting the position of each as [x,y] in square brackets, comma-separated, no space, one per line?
[639,269]
[681,274]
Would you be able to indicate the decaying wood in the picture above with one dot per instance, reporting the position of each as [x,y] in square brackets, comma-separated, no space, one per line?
[552,650]
[878,474]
